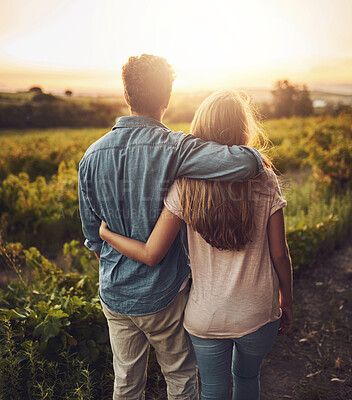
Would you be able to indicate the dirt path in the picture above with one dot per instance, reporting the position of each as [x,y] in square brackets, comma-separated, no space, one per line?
[314,362]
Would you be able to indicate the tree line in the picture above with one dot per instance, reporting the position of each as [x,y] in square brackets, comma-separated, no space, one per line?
[36,109]
[43,110]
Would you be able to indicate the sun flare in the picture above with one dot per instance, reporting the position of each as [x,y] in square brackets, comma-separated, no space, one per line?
[84,43]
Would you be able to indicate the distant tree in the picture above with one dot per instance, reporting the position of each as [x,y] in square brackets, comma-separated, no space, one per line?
[283,96]
[68,93]
[35,89]
[289,99]
[302,105]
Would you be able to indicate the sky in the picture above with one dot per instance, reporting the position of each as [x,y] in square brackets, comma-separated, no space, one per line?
[82,44]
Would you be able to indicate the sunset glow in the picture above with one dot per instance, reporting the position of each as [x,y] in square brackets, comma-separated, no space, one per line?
[82,44]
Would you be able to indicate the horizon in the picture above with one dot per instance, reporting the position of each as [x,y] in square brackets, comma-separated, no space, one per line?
[81,45]
[342,90]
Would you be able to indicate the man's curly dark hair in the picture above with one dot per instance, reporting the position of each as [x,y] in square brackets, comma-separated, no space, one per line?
[147,82]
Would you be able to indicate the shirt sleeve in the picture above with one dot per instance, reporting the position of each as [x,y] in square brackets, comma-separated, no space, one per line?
[277,199]
[90,221]
[172,202]
[213,161]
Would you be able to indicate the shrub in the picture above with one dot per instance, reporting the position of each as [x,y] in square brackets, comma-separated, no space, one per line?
[40,212]
[318,220]
[40,153]
[329,146]
[52,332]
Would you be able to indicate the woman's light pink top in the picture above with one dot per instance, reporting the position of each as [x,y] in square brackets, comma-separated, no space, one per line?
[233,293]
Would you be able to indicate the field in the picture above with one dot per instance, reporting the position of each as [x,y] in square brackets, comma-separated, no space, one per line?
[54,341]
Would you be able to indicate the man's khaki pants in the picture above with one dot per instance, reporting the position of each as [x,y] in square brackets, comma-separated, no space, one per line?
[130,337]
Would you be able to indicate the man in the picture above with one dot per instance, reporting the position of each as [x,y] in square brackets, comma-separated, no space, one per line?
[123,178]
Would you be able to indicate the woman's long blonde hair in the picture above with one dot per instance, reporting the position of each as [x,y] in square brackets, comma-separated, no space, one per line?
[223,213]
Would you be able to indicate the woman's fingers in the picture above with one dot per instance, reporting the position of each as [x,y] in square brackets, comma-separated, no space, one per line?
[102,229]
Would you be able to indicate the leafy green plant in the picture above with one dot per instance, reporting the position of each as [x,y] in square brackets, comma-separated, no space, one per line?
[53,334]
[48,210]
[317,219]
[79,257]
[40,152]
[306,241]
[329,145]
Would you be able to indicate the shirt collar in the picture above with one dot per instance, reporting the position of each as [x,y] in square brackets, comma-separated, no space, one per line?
[134,120]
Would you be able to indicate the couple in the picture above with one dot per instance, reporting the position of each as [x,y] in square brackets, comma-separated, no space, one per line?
[138,184]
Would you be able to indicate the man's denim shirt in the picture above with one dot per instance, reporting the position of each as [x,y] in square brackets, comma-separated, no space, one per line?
[123,178]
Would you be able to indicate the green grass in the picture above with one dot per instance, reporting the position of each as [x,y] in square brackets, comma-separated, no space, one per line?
[308,202]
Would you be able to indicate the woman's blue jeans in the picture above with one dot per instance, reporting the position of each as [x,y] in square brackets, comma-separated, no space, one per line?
[217,358]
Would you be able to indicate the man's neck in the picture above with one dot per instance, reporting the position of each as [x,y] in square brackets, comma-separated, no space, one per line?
[158,115]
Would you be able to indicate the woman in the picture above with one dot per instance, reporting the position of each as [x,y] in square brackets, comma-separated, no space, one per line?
[241,294]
